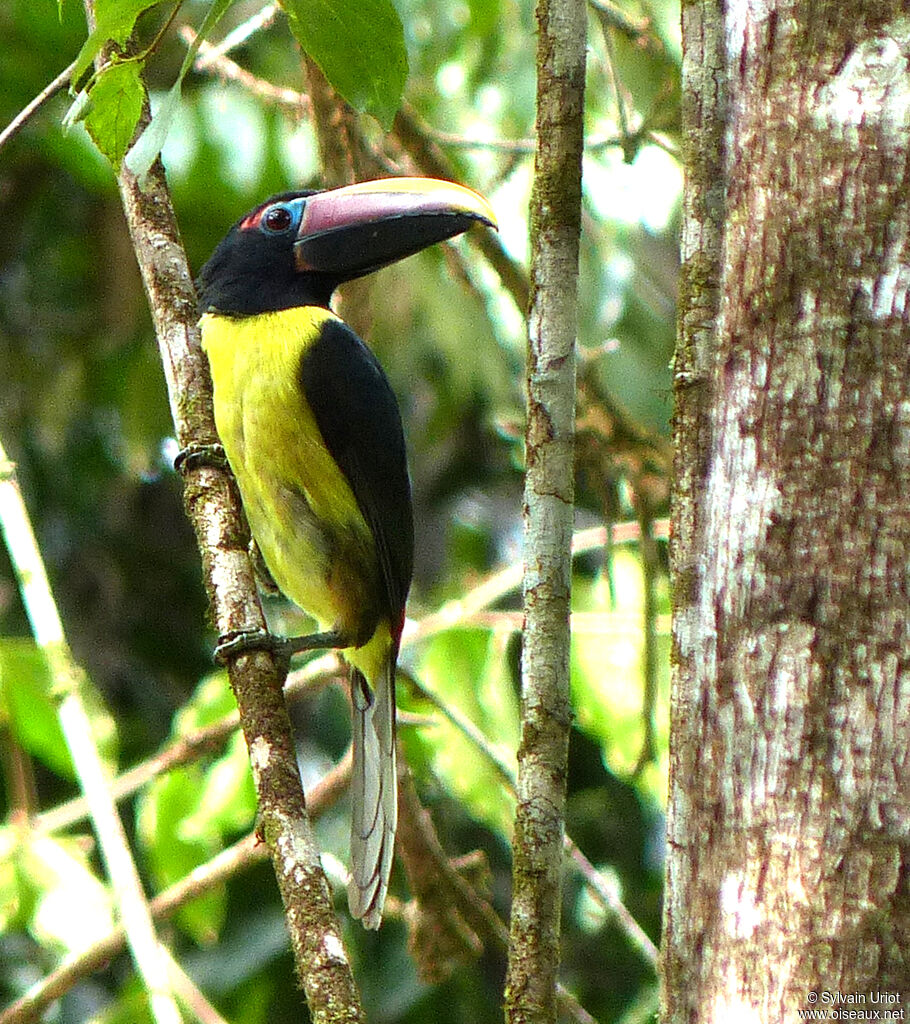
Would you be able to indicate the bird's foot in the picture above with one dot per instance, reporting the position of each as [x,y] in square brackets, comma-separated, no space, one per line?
[243,641]
[282,647]
[196,454]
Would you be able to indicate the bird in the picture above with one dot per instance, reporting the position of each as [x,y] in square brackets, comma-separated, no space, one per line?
[312,432]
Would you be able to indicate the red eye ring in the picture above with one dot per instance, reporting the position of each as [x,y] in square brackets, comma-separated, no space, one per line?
[278,218]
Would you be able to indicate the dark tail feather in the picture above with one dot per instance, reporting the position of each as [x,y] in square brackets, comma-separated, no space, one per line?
[374,793]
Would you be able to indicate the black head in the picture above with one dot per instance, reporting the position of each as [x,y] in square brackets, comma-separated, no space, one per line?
[253,268]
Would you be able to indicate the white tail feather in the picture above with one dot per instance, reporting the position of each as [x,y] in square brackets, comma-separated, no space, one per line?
[374,794]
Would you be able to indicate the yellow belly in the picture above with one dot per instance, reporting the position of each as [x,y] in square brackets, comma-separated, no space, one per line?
[301,510]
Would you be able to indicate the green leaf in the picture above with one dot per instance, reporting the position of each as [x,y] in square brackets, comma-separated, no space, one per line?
[606,673]
[359,45]
[116,103]
[468,669]
[114,20]
[71,909]
[25,696]
[212,699]
[485,15]
[227,795]
[25,686]
[13,902]
[173,851]
[184,818]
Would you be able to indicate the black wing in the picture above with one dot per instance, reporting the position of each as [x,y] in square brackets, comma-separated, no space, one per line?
[357,415]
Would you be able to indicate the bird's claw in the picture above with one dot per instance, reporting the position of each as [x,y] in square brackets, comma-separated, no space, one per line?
[196,454]
[244,641]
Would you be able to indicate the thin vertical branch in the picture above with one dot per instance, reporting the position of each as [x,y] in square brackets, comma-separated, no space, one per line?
[548,514]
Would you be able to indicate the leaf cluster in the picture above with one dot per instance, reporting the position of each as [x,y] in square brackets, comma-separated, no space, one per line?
[359,46]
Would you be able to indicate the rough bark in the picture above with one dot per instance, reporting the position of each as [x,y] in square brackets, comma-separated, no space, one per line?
[548,515]
[789,836]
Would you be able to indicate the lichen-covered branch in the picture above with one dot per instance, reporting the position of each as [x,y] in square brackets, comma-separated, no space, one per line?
[548,514]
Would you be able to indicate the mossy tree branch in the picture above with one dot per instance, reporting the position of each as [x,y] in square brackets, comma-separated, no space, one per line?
[548,514]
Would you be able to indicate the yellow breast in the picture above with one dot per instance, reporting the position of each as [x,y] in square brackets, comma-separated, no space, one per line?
[300,507]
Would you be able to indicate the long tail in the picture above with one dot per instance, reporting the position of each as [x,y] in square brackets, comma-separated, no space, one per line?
[374,792]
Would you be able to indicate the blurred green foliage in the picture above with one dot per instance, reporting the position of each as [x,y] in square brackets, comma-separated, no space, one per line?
[83,412]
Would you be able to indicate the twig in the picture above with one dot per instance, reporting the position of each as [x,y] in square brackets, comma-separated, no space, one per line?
[238,36]
[517,146]
[610,902]
[581,623]
[650,667]
[212,59]
[68,679]
[184,751]
[507,580]
[629,140]
[450,913]
[31,108]
[594,879]
[190,995]
[429,159]
[467,728]
[635,29]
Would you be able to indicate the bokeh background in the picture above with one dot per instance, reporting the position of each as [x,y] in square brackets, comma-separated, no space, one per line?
[84,415]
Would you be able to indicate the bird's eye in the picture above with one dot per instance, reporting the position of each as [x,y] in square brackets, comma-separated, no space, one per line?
[277,219]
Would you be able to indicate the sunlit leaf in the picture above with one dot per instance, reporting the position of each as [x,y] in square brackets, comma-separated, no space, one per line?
[184,818]
[11,896]
[607,666]
[468,669]
[359,45]
[485,14]
[227,796]
[25,686]
[212,699]
[172,851]
[114,20]
[72,908]
[116,103]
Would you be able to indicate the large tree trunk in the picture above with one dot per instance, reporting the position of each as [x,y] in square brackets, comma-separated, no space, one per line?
[789,831]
